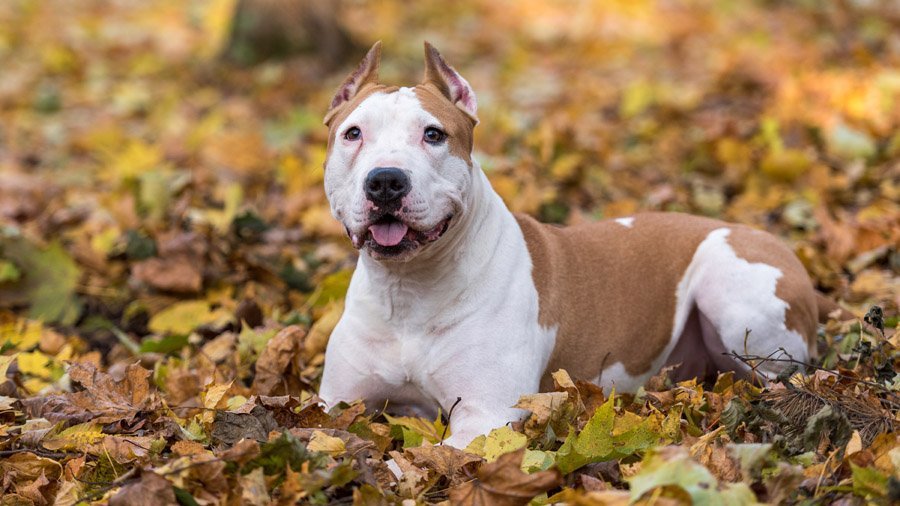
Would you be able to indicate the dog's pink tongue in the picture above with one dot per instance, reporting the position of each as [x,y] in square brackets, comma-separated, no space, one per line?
[388,234]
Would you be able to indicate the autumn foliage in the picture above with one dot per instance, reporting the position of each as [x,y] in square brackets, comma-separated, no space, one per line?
[170,272]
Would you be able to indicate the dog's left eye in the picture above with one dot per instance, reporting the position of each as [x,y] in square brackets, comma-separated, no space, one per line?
[434,135]
[352,134]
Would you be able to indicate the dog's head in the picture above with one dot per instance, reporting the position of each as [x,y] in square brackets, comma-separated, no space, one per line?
[399,162]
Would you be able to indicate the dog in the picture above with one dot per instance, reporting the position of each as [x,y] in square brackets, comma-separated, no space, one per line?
[454,296]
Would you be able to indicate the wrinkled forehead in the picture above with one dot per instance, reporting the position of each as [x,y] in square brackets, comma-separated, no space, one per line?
[394,106]
[383,110]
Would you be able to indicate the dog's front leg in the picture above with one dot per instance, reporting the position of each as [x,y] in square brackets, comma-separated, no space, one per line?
[472,419]
[487,393]
[356,368]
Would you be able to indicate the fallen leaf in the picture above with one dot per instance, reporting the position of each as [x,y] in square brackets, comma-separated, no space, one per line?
[151,490]
[178,274]
[274,363]
[102,400]
[502,483]
[444,461]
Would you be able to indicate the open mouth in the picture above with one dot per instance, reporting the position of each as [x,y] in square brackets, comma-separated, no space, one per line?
[389,236]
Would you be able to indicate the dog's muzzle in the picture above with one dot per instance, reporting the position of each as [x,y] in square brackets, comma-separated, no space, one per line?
[389,236]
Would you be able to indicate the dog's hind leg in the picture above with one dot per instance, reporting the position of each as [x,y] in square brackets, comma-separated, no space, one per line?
[743,301]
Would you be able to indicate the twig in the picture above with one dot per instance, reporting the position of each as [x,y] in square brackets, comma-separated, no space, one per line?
[449,415]
[748,358]
[37,451]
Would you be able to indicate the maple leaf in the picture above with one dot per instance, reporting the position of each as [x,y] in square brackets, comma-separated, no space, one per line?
[102,399]
[607,436]
[502,483]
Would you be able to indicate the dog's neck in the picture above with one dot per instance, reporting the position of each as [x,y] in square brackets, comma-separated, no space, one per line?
[455,263]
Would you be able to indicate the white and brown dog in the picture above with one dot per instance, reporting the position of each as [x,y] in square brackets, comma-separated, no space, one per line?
[455,296]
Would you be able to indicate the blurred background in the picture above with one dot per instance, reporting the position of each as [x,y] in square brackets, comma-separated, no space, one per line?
[161,162]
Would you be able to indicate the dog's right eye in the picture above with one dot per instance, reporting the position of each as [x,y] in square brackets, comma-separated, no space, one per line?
[352,134]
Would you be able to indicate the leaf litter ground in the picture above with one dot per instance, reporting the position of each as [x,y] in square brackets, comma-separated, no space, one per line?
[170,273]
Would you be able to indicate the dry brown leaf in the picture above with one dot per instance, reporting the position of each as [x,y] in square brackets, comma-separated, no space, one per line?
[502,483]
[184,447]
[122,449]
[272,367]
[178,274]
[33,490]
[253,488]
[103,398]
[445,461]
[27,467]
[242,452]
[151,490]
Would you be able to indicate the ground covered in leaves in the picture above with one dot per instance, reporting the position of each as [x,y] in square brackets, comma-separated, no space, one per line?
[170,273]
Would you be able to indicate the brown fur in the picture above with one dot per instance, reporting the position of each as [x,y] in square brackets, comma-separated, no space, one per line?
[611,289]
[457,125]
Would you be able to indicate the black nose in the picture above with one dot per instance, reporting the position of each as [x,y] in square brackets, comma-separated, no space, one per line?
[386,184]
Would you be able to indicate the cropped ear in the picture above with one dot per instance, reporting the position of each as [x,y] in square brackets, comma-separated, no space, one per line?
[449,82]
[365,73]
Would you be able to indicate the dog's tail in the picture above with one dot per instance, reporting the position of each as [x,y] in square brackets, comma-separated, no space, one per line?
[827,306]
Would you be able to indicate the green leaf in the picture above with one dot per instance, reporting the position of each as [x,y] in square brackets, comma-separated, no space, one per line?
[138,246]
[828,422]
[411,438]
[48,281]
[868,482]
[165,345]
[333,287]
[751,456]
[537,460]
[184,497]
[8,272]
[286,450]
[608,437]
[673,467]
[848,143]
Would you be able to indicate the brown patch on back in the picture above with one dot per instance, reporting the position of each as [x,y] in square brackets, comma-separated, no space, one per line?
[458,125]
[611,289]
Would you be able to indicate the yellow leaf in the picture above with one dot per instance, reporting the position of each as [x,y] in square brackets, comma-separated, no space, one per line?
[431,431]
[136,158]
[75,437]
[183,317]
[214,393]
[565,166]
[21,334]
[318,220]
[35,385]
[216,23]
[233,196]
[34,363]
[501,441]
[5,360]
[321,442]
[211,397]
[476,447]
[321,330]
[785,164]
